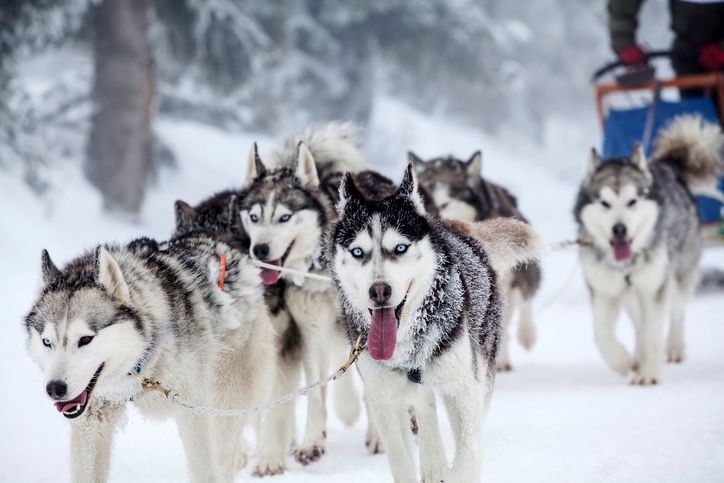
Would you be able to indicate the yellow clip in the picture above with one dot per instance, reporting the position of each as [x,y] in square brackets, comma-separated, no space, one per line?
[149,385]
[354,354]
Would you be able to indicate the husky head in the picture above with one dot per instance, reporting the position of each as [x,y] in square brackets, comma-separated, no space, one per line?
[456,186]
[283,212]
[615,205]
[83,330]
[217,217]
[383,260]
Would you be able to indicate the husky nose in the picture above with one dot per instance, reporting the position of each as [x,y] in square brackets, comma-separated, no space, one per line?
[380,292]
[619,231]
[56,389]
[261,251]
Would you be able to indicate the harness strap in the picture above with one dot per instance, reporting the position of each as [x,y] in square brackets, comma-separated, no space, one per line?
[222,271]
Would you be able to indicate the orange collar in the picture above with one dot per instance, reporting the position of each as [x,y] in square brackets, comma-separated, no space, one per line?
[222,270]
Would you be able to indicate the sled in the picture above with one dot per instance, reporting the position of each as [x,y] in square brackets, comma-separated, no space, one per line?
[646,106]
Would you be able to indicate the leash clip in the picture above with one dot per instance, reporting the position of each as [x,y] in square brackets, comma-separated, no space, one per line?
[149,385]
[354,354]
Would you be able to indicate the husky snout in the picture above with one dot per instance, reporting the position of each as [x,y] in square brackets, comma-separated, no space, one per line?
[619,232]
[380,293]
[56,389]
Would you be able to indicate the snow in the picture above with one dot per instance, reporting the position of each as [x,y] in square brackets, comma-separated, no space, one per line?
[561,415]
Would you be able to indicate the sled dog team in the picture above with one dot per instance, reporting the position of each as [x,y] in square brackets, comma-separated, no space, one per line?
[429,273]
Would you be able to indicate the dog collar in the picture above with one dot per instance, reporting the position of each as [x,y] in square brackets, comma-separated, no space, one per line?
[222,271]
[137,367]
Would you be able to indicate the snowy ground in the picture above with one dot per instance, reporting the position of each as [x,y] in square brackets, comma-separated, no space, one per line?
[561,415]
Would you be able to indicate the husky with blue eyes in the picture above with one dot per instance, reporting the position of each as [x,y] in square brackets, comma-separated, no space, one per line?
[188,313]
[424,295]
[642,222]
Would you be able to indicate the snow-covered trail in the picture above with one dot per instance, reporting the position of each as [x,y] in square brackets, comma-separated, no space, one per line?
[561,415]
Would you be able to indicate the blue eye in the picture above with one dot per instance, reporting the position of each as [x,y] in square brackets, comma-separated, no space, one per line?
[401,248]
[253,218]
[284,218]
[46,342]
[357,252]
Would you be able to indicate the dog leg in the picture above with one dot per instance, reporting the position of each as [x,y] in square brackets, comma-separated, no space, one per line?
[503,362]
[384,394]
[526,328]
[631,305]
[91,439]
[276,427]
[605,313]
[346,399]
[433,463]
[466,409]
[199,446]
[680,296]
[653,310]
[313,361]
[372,438]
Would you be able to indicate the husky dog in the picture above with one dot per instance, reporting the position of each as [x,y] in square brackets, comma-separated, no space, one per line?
[286,211]
[216,216]
[645,243]
[424,293]
[187,315]
[461,193]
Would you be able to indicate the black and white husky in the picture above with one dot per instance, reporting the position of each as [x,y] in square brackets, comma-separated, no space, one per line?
[286,208]
[189,315]
[461,193]
[424,294]
[642,221]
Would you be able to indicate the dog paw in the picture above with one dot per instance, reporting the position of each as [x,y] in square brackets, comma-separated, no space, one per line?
[526,336]
[503,366]
[619,360]
[373,441]
[434,473]
[311,452]
[647,375]
[269,467]
[675,353]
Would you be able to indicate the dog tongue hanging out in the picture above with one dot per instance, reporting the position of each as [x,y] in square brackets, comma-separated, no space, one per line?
[423,293]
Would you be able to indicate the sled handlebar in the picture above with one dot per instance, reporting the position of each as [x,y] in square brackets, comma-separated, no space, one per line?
[654,54]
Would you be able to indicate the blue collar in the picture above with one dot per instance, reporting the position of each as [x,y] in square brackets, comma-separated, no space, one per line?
[415,376]
[136,368]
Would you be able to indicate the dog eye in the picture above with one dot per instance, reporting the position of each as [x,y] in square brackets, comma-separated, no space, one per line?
[46,342]
[401,248]
[605,204]
[253,218]
[284,218]
[85,340]
[632,202]
[357,252]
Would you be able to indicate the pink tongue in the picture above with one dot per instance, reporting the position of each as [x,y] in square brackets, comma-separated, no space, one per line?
[621,250]
[383,334]
[68,405]
[269,276]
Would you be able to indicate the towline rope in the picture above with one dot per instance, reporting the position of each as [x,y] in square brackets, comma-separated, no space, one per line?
[150,385]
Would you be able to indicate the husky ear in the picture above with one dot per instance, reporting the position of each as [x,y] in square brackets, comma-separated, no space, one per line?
[185,215]
[109,276]
[410,189]
[594,160]
[415,160]
[49,272]
[473,168]
[305,168]
[254,166]
[638,159]
[347,191]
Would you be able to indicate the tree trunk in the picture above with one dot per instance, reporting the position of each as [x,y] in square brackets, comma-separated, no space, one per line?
[118,158]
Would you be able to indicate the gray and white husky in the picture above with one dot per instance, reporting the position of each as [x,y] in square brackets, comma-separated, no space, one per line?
[645,243]
[424,293]
[286,211]
[139,310]
[461,193]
